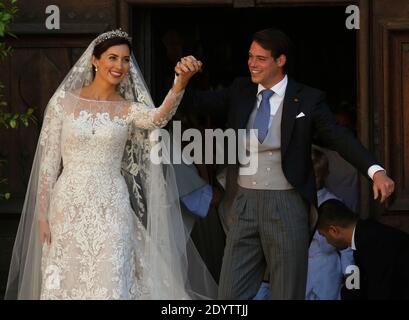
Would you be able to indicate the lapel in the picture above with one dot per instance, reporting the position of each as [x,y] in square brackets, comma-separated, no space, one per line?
[246,105]
[290,110]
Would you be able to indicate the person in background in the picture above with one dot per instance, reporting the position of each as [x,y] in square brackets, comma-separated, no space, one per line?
[381,252]
[324,276]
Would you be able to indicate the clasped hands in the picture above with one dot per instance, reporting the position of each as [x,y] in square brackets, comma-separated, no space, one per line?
[186,68]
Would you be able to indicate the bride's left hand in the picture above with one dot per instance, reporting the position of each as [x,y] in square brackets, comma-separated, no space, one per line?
[186,68]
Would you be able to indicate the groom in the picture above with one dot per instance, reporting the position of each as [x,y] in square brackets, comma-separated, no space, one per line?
[269,211]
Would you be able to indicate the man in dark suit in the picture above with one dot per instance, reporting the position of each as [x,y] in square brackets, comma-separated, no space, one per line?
[381,253]
[269,211]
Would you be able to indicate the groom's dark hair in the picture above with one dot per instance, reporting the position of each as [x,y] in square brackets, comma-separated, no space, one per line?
[278,43]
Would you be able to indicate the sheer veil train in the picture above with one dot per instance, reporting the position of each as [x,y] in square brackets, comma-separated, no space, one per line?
[173,269]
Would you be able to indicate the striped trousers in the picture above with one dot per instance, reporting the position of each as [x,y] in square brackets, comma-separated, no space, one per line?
[269,232]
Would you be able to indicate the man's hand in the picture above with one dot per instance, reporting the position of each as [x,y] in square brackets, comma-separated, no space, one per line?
[382,184]
[186,68]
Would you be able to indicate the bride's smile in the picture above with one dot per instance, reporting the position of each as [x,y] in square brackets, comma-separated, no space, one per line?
[112,65]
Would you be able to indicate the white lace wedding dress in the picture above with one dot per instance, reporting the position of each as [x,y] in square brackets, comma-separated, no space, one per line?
[97,241]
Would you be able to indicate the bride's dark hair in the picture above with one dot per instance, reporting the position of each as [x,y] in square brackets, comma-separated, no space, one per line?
[100,48]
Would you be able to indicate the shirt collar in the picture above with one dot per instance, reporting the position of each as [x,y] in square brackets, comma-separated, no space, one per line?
[278,88]
[353,240]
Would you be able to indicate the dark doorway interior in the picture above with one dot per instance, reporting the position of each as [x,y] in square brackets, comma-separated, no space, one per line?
[325,48]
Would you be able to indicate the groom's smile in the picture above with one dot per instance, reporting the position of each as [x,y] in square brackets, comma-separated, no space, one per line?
[263,67]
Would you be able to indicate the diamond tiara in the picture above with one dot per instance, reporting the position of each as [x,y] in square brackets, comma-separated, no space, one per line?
[112,34]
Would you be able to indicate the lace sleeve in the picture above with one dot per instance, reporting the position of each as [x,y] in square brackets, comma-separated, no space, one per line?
[50,159]
[152,118]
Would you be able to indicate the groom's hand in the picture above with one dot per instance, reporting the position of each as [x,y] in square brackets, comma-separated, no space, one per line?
[382,185]
[186,68]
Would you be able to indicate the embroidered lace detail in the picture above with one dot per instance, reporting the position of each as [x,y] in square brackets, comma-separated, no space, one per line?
[97,241]
[148,118]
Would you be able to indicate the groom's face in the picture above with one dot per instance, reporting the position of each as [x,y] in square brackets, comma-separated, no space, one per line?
[264,69]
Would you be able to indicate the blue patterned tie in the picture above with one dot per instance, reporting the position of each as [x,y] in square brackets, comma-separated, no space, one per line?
[263,115]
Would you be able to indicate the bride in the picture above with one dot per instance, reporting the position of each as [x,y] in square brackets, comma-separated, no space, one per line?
[79,237]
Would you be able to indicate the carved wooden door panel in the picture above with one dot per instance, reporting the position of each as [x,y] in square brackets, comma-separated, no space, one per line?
[391,102]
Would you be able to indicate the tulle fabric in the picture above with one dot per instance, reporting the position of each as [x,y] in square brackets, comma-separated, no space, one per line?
[173,268]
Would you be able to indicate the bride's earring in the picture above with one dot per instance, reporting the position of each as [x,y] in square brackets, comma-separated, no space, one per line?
[96,68]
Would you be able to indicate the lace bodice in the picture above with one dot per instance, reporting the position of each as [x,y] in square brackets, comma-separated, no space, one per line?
[97,242]
[85,136]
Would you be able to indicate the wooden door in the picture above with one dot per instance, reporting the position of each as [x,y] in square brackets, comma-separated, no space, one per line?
[390,25]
